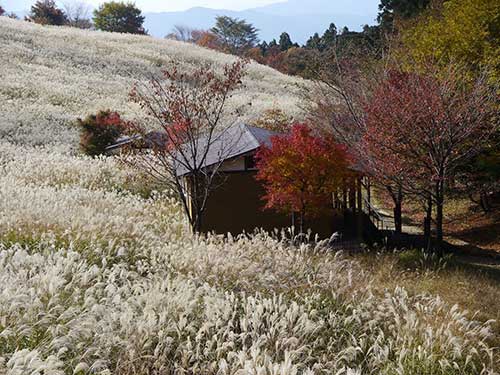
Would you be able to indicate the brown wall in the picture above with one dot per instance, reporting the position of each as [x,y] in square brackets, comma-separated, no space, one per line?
[236,206]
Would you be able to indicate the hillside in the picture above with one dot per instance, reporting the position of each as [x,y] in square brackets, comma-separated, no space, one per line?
[101,274]
[49,76]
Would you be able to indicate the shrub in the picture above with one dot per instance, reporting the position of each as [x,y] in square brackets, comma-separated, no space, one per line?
[274,119]
[46,12]
[99,131]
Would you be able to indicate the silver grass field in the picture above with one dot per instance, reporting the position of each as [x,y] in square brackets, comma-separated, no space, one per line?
[99,273]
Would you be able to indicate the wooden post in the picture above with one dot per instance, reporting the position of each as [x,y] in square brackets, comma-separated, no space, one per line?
[359,215]
[369,195]
[359,192]
[352,195]
[344,196]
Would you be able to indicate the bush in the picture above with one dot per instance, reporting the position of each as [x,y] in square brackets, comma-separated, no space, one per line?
[46,12]
[274,119]
[99,131]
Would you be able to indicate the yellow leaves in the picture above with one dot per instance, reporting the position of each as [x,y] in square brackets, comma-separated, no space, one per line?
[463,33]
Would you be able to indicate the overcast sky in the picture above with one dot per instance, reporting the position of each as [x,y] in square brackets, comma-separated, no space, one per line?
[174,5]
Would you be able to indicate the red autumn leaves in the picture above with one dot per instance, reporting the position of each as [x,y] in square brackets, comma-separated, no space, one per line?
[301,170]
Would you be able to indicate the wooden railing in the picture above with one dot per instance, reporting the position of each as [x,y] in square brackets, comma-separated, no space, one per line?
[375,216]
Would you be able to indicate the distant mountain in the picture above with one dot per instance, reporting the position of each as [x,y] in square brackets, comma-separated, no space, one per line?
[332,7]
[299,18]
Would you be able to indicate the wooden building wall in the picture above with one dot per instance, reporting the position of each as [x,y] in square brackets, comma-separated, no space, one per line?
[236,206]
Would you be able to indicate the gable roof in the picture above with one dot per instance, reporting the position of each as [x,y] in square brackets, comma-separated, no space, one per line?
[235,141]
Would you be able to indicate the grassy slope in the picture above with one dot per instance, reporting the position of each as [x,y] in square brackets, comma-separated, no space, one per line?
[471,279]
[51,75]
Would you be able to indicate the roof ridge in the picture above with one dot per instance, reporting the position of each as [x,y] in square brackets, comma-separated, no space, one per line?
[248,128]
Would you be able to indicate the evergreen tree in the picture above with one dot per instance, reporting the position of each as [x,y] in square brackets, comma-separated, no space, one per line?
[285,42]
[330,36]
[263,47]
[2,11]
[399,9]
[46,12]
[234,34]
[119,17]
[315,42]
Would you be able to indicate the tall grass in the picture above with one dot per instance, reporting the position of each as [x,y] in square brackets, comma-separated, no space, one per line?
[50,76]
[97,279]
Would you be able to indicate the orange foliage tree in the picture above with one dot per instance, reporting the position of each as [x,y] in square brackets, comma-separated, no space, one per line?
[301,171]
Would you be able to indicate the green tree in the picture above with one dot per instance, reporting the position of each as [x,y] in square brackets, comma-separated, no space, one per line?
[285,42]
[120,17]
[330,36]
[481,177]
[235,35]
[315,42]
[46,12]
[272,44]
[2,11]
[301,62]
[391,10]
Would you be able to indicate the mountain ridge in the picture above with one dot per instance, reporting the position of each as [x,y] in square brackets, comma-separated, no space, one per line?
[293,16]
[270,25]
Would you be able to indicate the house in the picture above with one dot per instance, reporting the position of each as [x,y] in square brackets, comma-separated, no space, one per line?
[236,205]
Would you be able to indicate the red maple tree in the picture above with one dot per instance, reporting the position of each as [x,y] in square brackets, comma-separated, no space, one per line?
[424,126]
[300,171]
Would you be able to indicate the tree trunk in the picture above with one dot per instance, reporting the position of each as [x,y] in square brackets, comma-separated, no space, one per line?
[397,198]
[439,217]
[352,195]
[428,224]
[398,221]
[485,202]
[344,196]
[198,223]
[369,195]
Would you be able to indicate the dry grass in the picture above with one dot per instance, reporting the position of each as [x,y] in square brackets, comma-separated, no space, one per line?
[472,287]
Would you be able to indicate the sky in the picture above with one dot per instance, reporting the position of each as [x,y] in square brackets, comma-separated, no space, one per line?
[157,5]
[177,5]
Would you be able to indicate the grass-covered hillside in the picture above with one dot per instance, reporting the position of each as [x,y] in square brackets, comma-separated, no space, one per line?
[49,76]
[99,273]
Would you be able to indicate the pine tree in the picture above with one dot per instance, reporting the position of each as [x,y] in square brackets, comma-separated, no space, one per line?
[234,34]
[285,42]
[315,42]
[330,36]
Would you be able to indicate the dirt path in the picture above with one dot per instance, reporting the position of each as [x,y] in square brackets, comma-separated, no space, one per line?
[469,253]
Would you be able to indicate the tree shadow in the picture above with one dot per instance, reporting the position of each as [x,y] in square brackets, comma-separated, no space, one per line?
[468,258]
